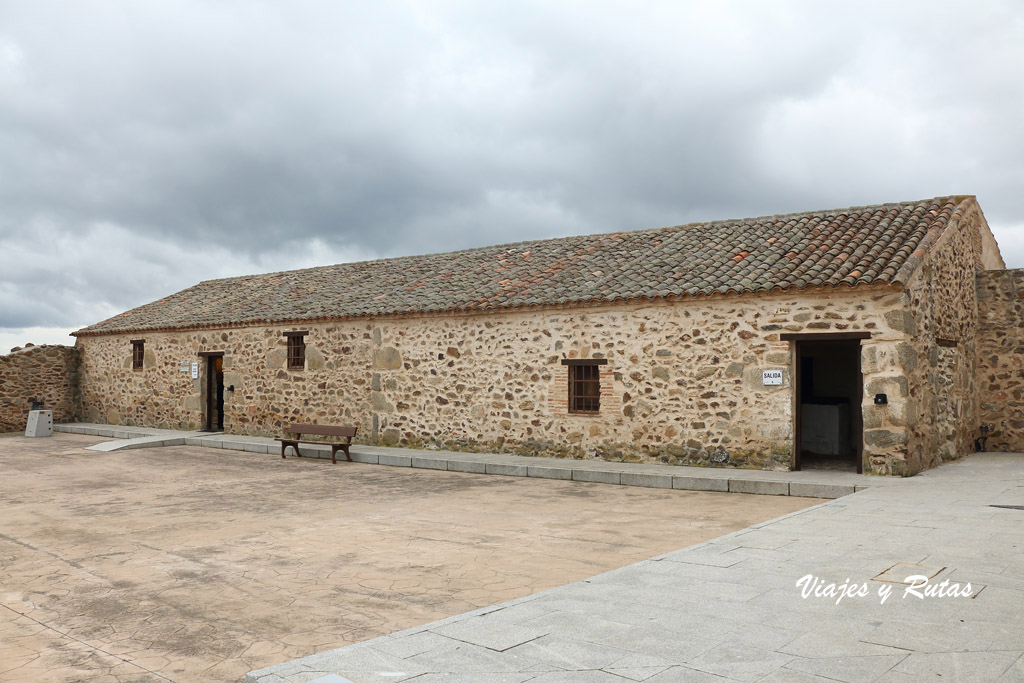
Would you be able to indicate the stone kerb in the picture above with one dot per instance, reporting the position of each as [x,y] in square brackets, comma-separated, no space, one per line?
[821,485]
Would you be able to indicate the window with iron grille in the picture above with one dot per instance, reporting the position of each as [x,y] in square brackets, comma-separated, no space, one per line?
[296,350]
[138,353]
[585,384]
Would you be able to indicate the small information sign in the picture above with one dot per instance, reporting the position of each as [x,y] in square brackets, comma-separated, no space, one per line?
[195,369]
[771,377]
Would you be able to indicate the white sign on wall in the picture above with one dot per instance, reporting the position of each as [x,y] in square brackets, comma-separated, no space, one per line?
[195,369]
[771,377]
[183,367]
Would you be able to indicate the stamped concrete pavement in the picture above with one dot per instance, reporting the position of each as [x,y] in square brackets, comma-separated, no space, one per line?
[199,564]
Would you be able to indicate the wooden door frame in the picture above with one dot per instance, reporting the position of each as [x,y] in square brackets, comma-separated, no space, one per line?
[208,387]
[798,413]
[798,339]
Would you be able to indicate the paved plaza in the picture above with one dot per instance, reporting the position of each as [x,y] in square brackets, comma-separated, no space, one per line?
[731,609]
[173,556]
[187,563]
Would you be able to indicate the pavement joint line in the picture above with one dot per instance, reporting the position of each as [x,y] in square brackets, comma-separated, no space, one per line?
[82,642]
[822,484]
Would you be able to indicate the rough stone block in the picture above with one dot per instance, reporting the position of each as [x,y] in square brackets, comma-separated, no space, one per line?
[700,484]
[430,463]
[654,481]
[597,476]
[902,321]
[387,358]
[550,472]
[883,438]
[761,487]
[394,460]
[506,469]
[380,403]
[808,490]
[314,359]
[467,466]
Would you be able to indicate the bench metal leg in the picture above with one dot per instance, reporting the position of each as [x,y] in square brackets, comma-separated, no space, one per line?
[334,451]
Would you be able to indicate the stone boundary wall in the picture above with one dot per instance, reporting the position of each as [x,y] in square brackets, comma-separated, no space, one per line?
[1001,357]
[942,327]
[682,384]
[44,373]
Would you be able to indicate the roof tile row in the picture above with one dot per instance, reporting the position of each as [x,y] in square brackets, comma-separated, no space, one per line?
[857,246]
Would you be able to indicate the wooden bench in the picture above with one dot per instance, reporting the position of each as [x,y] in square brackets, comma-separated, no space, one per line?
[319,430]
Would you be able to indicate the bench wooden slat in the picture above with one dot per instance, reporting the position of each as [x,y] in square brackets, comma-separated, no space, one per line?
[321,430]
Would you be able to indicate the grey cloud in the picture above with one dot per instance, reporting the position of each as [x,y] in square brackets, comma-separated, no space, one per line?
[210,138]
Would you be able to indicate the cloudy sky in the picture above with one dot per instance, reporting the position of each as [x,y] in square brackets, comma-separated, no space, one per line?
[145,146]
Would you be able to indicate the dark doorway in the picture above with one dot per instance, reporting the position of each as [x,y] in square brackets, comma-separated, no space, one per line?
[215,392]
[829,390]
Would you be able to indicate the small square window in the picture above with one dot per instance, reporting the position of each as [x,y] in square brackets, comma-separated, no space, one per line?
[585,385]
[296,350]
[138,353]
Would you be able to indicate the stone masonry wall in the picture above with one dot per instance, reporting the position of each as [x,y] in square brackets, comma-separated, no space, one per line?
[43,373]
[941,412]
[682,383]
[1001,357]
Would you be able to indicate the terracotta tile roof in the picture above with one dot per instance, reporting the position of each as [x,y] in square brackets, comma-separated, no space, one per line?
[856,246]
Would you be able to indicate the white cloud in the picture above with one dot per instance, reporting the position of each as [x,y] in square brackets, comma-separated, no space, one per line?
[14,337]
[144,148]
[68,276]
[1010,237]
[12,61]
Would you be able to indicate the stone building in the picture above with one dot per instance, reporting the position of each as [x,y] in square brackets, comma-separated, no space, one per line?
[38,375]
[775,342]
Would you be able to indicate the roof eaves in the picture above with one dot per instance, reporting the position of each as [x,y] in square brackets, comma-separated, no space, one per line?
[633,300]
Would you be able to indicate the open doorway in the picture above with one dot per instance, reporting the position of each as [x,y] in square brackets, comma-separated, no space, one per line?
[829,390]
[214,392]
